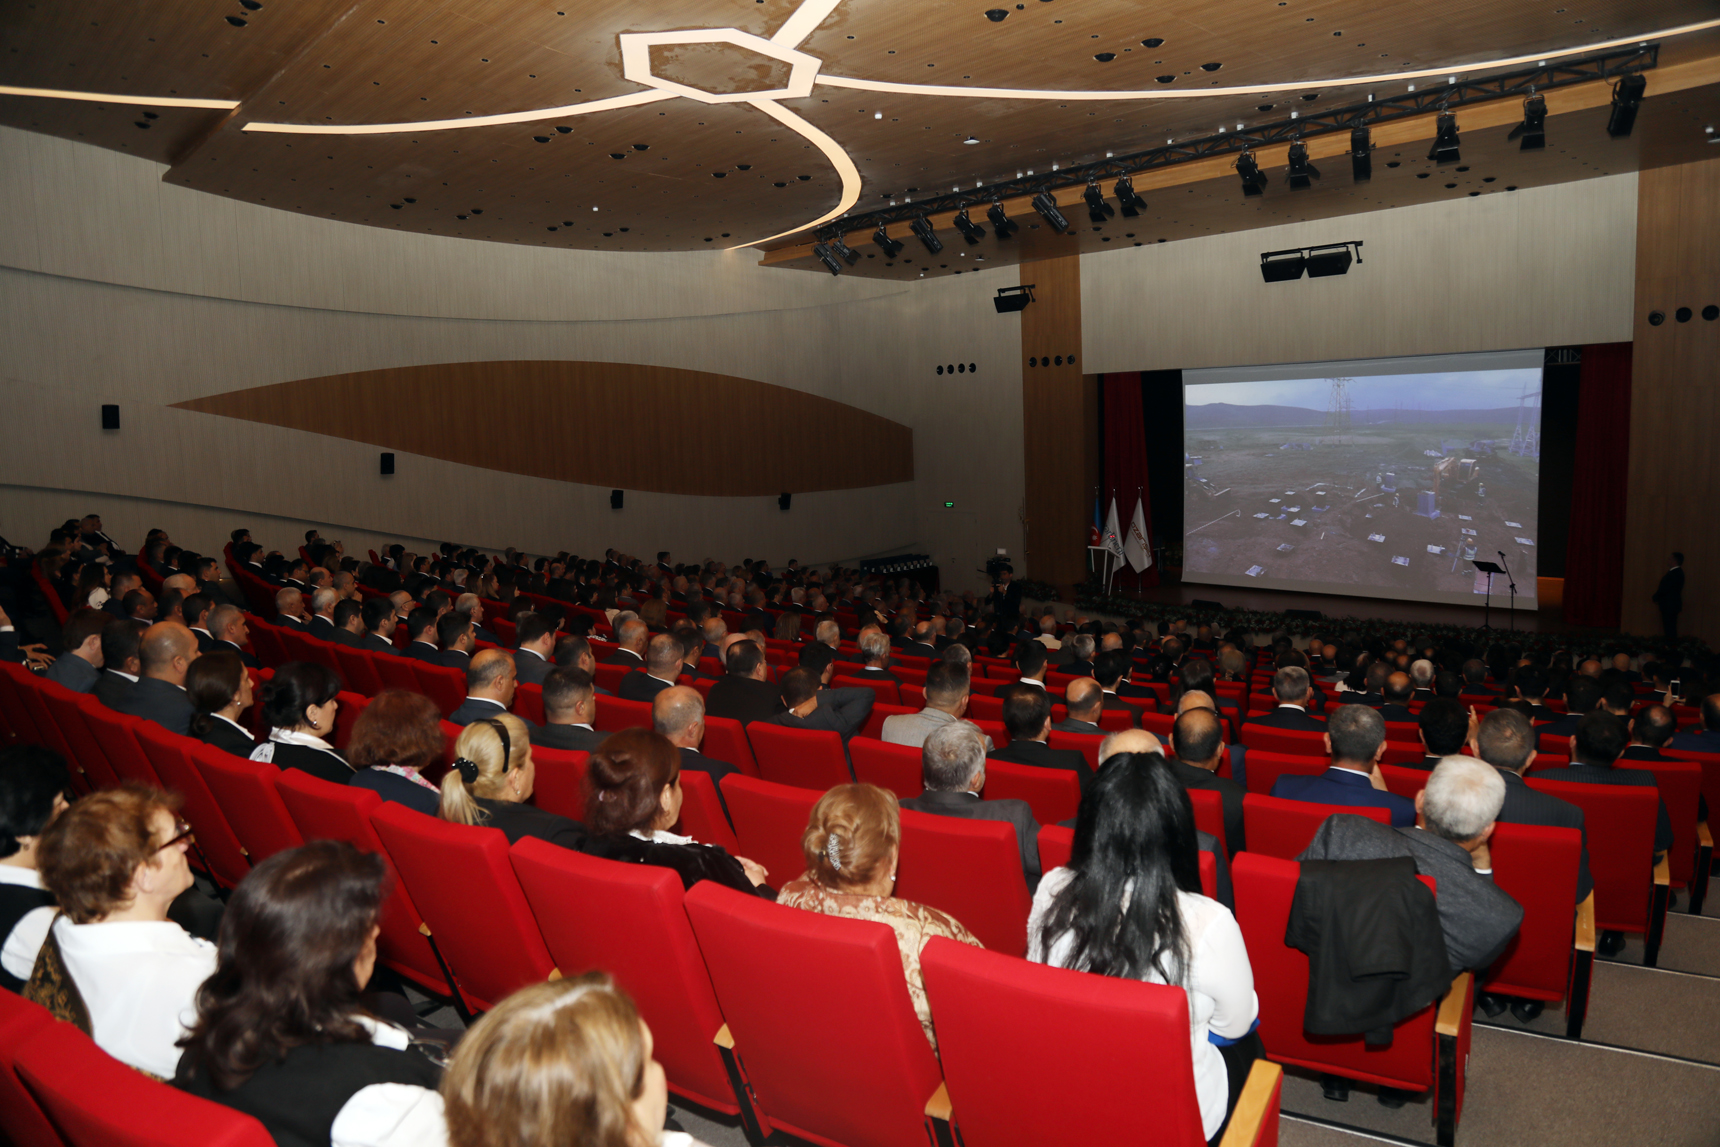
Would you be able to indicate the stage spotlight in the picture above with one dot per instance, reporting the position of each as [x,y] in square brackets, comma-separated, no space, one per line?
[1302,173]
[1444,149]
[1253,179]
[1361,155]
[890,247]
[1327,261]
[1097,209]
[922,227]
[1001,224]
[1047,207]
[1533,130]
[1627,97]
[970,230]
[1281,266]
[843,251]
[1132,204]
[831,263]
[1013,298]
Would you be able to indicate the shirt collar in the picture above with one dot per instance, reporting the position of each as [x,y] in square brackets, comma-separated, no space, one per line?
[122,673]
[20,877]
[235,724]
[660,837]
[294,737]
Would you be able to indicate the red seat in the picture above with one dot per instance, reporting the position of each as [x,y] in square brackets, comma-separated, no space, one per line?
[996,730]
[22,1123]
[346,716]
[1057,842]
[970,869]
[912,694]
[889,766]
[15,719]
[560,783]
[1122,1048]
[97,1101]
[1087,744]
[1680,785]
[1400,779]
[1631,891]
[1405,732]
[769,820]
[246,792]
[1158,724]
[326,811]
[867,1083]
[1399,753]
[726,741]
[982,707]
[1264,768]
[807,758]
[1208,807]
[462,881]
[68,711]
[645,942]
[33,690]
[445,686]
[614,714]
[1116,720]
[886,690]
[1053,794]
[1283,828]
[1301,742]
[114,731]
[396,673]
[702,815]
[1551,957]
[303,647]
[609,676]
[357,671]
[528,703]
[1429,1050]
[874,726]
[216,843]
[266,640]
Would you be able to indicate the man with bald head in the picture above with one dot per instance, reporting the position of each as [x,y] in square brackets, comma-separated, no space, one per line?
[1198,741]
[1084,701]
[1399,688]
[490,683]
[678,713]
[662,666]
[165,653]
[631,636]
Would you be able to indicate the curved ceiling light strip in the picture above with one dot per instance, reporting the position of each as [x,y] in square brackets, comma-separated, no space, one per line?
[632,99]
[832,151]
[107,98]
[887,88]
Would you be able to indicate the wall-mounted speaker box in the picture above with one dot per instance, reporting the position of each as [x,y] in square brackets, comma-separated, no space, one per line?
[110,416]
[388,463]
[783,500]
[615,499]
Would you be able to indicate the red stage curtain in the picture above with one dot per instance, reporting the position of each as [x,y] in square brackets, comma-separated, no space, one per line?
[1126,464]
[1594,552]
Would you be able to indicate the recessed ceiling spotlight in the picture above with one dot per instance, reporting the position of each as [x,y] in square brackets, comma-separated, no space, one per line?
[970,139]
[996,15]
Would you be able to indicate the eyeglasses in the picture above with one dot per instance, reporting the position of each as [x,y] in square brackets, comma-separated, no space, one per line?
[181,832]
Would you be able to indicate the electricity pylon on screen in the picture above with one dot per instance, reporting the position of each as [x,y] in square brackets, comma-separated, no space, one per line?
[1338,412]
[1526,441]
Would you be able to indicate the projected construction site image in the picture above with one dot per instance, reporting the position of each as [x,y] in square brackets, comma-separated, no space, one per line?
[1401,507]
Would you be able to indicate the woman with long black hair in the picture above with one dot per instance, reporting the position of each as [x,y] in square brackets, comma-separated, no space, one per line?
[1129,905]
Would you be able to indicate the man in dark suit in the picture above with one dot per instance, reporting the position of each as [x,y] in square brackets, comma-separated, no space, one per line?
[166,651]
[458,641]
[535,637]
[121,665]
[78,667]
[875,648]
[1669,596]
[489,686]
[119,585]
[952,768]
[1198,740]
[1708,739]
[569,706]
[421,626]
[1084,701]
[322,625]
[630,640]
[1111,669]
[227,623]
[1475,679]
[1531,687]
[348,623]
[1399,688]
[924,642]
[1027,716]
[1649,733]
[1599,742]
[376,616]
[1445,727]
[662,665]
[745,694]
[290,609]
[1582,697]
[1030,662]
[843,711]
[1005,598]
[1290,686]
[1079,662]
[195,610]
[678,713]
[1356,738]
[1507,742]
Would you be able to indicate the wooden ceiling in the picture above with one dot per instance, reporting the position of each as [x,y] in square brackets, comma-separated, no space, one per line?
[678,174]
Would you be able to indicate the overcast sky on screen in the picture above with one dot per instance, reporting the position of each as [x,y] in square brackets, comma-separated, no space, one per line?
[1469,390]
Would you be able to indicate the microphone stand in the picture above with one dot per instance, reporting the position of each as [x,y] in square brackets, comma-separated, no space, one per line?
[1511,583]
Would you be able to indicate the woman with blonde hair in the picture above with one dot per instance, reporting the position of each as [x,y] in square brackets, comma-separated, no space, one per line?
[851,845]
[566,1063]
[491,780]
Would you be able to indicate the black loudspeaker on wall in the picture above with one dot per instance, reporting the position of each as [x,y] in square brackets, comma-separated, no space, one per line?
[110,416]
[615,499]
[782,501]
[388,463]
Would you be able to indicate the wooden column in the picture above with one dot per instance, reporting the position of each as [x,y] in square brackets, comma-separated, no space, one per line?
[1059,417]
[1675,399]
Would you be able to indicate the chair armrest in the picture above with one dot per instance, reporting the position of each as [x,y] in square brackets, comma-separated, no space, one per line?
[1257,1103]
[1704,837]
[1454,1007]
[1585,940]
[724,1038]
[938,1106]
[1663,872]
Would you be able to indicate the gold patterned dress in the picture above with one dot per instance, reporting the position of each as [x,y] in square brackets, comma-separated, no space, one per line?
[914,924]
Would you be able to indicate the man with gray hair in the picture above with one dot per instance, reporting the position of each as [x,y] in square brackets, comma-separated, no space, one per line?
[631,636]
[678,713]
[715,629]
[1455,815]
[959,655]
[946,701]
[1080,660]
[875,648]
[322,614]
[289,608]
[1356,739]
[1293,689]
[1421,673]
[827,632]
[952,767]
[471,606]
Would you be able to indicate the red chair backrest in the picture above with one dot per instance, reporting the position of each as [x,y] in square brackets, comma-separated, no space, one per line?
[1087,744]
[984,707]
[1283,828]
[267,642]
[1302,742]
[609,676]
[246,792]
[1537,866]
[806,758]
[33,691]
[560,783]
[773,968]
[702,816]
[170,755]
[874,726]
[1123,1047]
[970,869]
[1403,781]
[1057,842]
[15,715]
[69,711]
[614,714]
[22,1123]
[445,686]
[1710,763]
[1116,720]
[346,715]
[1680,785]
[118,739]
[356,670]
[889,766]
[464,885]
[726,740]
[1406,732]
[528,703]
[1208,808]
[396,673]
[645,942]
[1620,824]
[97,1101]
[1158,724]
[769,821]
[1400,753]
[1053,794]
[996,730]
[886,690]
[326,811]
[1265,767]
[1265,887]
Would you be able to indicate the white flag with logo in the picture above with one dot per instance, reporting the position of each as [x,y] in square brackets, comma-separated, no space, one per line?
[1135,546]
[1113,536]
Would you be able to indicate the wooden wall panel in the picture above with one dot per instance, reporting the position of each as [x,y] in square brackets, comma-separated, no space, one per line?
[603,424]
[1054,406]
[1675,399]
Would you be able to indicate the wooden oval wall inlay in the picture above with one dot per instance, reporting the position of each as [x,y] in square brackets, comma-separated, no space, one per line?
[603,424]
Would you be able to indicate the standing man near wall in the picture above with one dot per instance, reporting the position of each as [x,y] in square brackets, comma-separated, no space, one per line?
[1669,596]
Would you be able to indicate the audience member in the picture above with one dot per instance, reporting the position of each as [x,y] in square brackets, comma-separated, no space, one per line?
[227,623]
[1650,732]
[534,637]
[569,706]
[1599,741]
[122,643]
[33,788]
[1083,700]
[220,692]
[678,714]
[78,667]
[662,666]
[1356,740]
[457,639]
[806,706]
[398,735]
[165,652]
[1027,716]
[491,780]
[630,639]
[421,625]
[745,693]
[1198,741]
[1293,689]
[952,769]
[299,706]
[947,686]
[490,687]
[1399,689]
[1444,726]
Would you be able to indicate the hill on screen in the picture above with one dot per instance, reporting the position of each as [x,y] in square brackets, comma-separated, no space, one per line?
[1215,414]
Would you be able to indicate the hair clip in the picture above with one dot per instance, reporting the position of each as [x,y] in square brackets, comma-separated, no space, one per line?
[832,850]
[468,769]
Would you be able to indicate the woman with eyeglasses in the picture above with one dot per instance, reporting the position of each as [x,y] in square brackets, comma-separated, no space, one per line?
[115,861]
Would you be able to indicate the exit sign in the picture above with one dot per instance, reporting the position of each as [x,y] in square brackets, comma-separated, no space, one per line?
[949,505]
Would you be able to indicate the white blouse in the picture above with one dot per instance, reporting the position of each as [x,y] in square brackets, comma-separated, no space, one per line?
[18,956]
[390,1114]
[1220,983]
[139,980]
